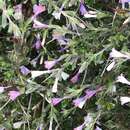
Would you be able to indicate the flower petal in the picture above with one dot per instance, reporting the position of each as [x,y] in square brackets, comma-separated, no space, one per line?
[79,102]
[116,54]
[79,127]
[56,101]
[37,9]
[124,100]
[109,68]
[75,78]
[24,70]
[122,79]
[50,64]
[13,95]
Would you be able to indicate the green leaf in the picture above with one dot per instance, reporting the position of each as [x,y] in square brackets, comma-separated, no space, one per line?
[4,20]
[33,87]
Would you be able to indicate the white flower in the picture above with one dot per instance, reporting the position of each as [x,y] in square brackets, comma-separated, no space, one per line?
[117,54]
[88,119]
[109,68]
[92,12]
[126,21]
[81,104]
[37,73]
[123,80]
[124,100]
[87,15]
[1,89]
[57,14]
[54,88]
[18,125]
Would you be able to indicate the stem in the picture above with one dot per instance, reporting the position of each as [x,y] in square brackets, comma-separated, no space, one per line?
[29,105]
[5,104]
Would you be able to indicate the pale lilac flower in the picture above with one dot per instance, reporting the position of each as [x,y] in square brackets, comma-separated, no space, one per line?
[110,66]
[37,9]
[124,1]
[13,95]
[116,54]
[90,93]
[1,89]
[62,49]
[75,78]
[18,12]
[86,13]
[79,102]
[60,38]
[39,25]
[56,101]
[82,9]
[97,128]
[88,119]
[122,79]
[63,41]
[79,127]
[37,44]
[57,14]
[24,70]
[50,64]
[40,127]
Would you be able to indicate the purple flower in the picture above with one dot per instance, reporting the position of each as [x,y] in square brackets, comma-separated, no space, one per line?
[56,101]
[75,78]
[79,127]
[39,25]
[37,44]
[24,70]
[13,95]
[18,7]
[79,102]
[90,93]
[124,1]
[50,64]
[37,9]
[60,38]
[97,128]
[82,9]
[63,41]
[40,127]
[18,12]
